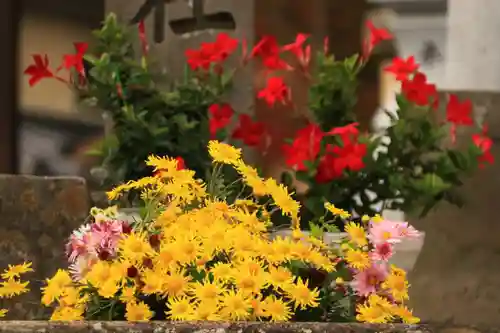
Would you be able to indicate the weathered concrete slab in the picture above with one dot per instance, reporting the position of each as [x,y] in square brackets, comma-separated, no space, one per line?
[37,215]
[215,327]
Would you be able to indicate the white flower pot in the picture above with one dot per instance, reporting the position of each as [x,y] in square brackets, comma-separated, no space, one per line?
[130,215]
[405,253]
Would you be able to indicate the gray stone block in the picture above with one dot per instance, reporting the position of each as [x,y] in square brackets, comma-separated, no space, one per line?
[37,215]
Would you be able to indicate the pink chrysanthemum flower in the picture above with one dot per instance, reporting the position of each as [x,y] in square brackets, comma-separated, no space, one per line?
[95,239]
[367,281]
[382,252]
[390,232]
[405,230]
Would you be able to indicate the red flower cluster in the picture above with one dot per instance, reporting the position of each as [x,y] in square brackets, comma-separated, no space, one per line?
[41,69]
[306,147]
[220,117]
[376,35]
[268,51]
[484,144]
[249,131]
[211,53]
[276,91]
[416,89]
[402,68]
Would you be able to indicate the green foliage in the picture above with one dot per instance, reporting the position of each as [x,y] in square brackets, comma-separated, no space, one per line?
[332,96]
[409,167]
[149,116]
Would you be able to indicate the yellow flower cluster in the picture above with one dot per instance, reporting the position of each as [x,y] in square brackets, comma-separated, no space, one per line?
[205,258]
[11,284]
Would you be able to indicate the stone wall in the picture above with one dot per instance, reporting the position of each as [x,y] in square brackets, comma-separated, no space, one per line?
[242,327]
[37,215]
[457,276]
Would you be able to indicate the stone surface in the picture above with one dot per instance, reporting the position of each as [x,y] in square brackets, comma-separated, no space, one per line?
[37,215]
[456,277]
[168,47]
[473,52]
[242,327]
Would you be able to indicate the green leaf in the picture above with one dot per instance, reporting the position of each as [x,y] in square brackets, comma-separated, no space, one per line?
[350,63]
[458,159]
[402,102]
[332,228]
[316,230]
[287,179]
[431,184]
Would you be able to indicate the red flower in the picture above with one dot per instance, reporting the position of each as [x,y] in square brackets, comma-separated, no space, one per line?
[349,156]
[484,143]
[402,68]
[224,46]
[419,91]
[248,131]
[305,147]
[39,70]
[275,91]
[143,39]
[297,48]
[181,164]
[327,171]
[376,35]
[346,132]
[76,60]
[211,53]
[268,50]
[201,58]
[220,117]
[459,113]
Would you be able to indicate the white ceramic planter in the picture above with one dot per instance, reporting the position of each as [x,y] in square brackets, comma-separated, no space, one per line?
[405,253]
[130,215]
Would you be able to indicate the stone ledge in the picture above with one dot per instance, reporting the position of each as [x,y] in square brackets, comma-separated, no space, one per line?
[206,327]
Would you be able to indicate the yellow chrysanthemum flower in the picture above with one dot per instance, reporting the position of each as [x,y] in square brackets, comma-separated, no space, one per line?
[337,211]
[405,314]
[15,271]
[224,153]
[356,234]
[180,308]
[282,198]
[135,247]
[357,259]
[138,311]
[397,285]
[302,296]
[277,309]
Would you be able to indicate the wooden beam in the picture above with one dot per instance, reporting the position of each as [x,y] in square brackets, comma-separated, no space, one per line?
[9,21]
